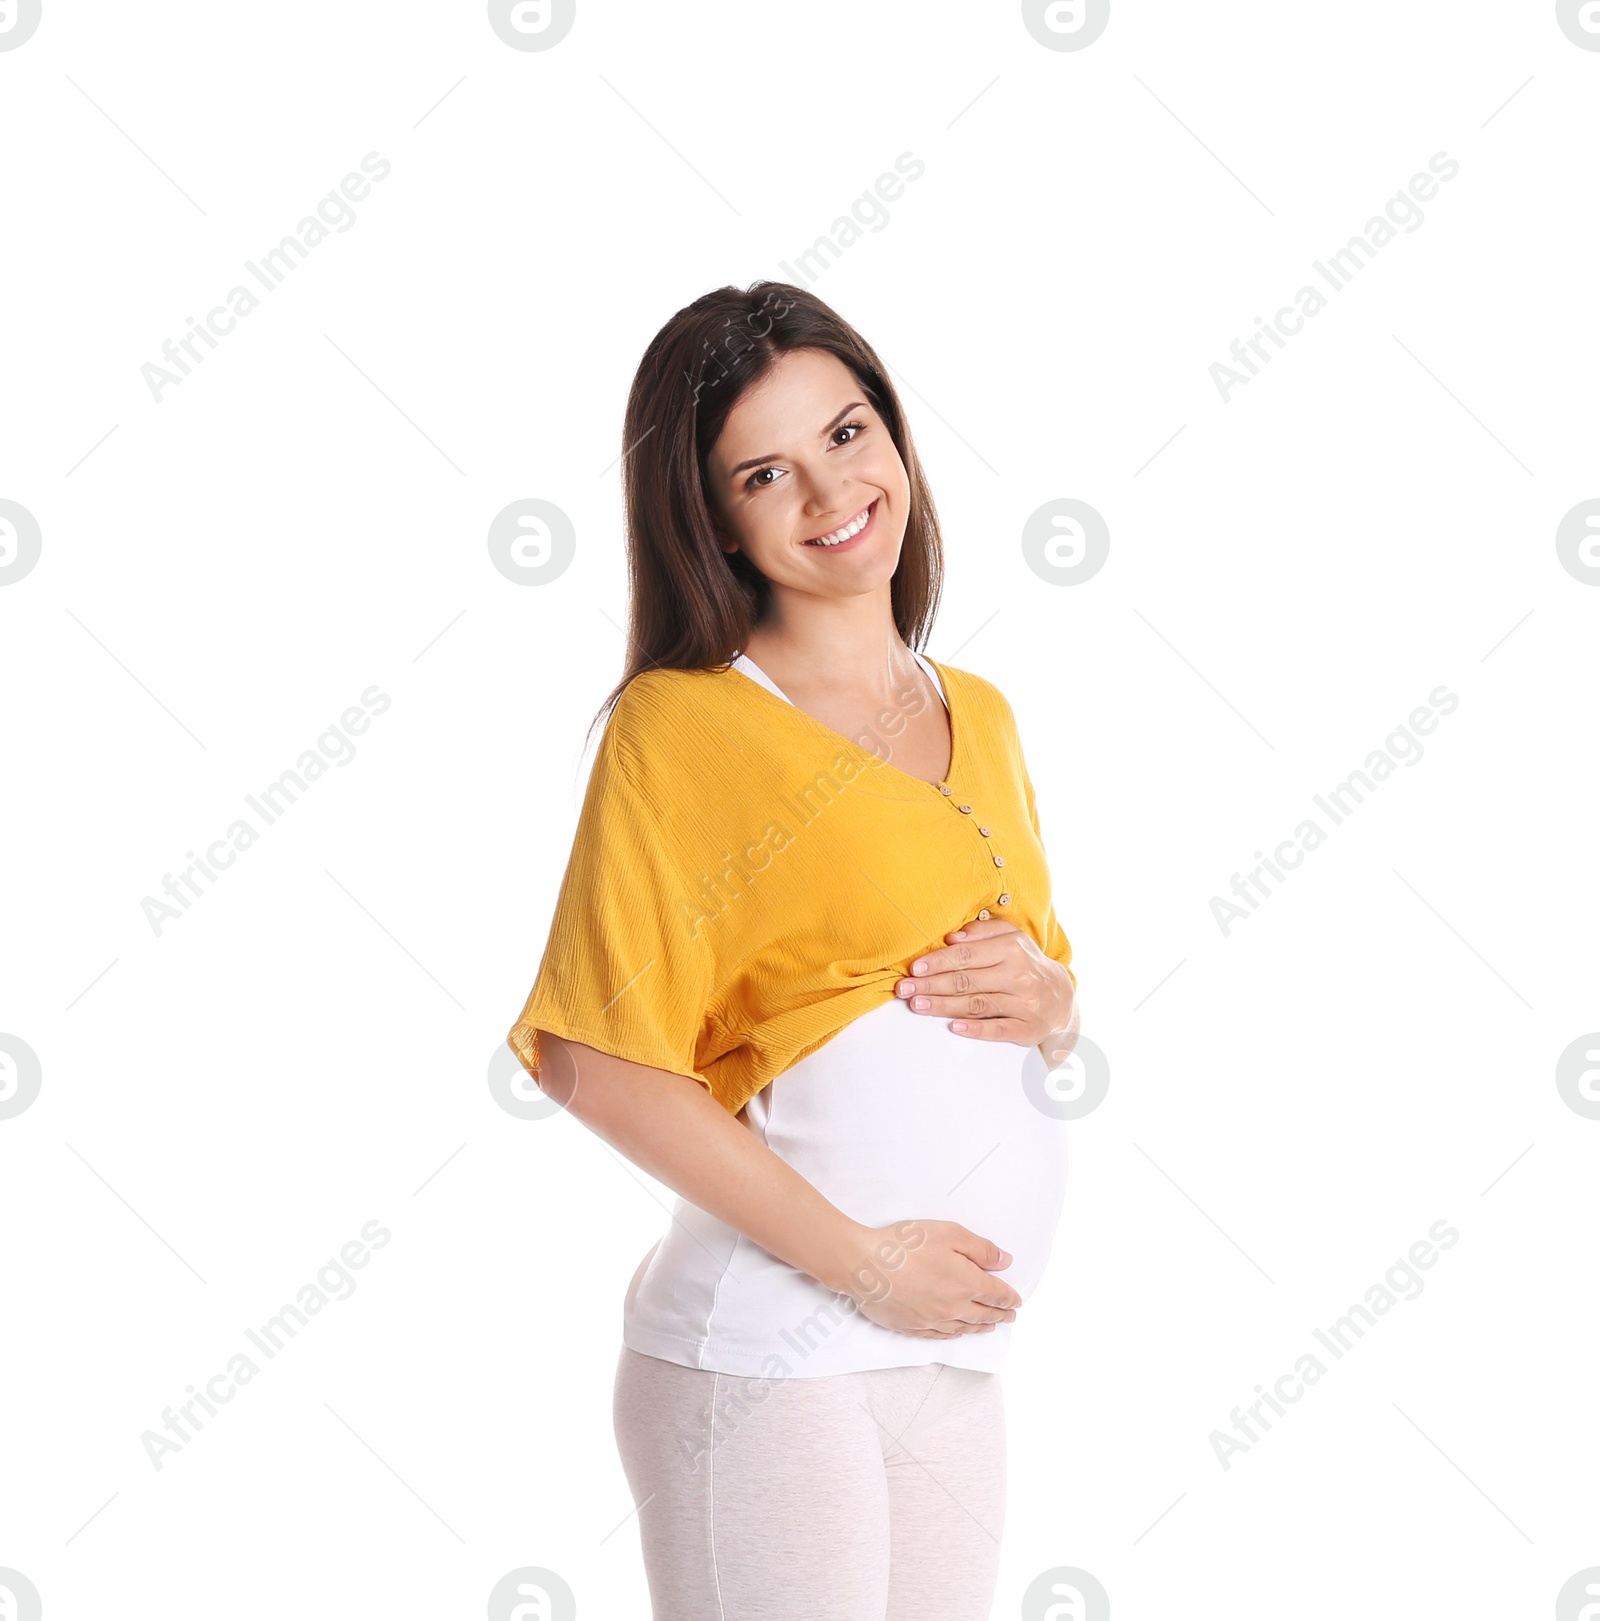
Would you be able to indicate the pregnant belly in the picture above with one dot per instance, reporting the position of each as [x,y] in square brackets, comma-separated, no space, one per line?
[897,1118]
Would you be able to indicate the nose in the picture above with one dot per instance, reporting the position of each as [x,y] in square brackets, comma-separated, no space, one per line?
[833,498]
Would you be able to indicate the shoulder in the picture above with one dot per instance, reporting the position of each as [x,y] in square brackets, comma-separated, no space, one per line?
[661,700]
[980,694]
[661,720]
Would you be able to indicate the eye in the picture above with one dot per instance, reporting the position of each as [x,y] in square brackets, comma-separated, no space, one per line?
[852,428]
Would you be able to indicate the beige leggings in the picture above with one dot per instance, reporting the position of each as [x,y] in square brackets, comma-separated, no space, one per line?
[869,1496]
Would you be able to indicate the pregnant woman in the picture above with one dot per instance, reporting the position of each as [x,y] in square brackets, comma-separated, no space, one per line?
[805,970]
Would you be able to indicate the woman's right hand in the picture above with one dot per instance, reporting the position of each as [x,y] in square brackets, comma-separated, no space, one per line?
[931,1279]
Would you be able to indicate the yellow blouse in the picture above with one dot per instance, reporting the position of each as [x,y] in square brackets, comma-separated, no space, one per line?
[744,880]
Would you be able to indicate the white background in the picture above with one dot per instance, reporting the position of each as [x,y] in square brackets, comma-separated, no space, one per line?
[307,1048]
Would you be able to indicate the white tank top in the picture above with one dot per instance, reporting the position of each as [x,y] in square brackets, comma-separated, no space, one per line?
[895,1117]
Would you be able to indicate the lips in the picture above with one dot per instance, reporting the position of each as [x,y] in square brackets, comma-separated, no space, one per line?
[871,511]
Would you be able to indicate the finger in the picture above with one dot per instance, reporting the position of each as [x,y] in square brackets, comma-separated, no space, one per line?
[951,976]
[952,956]
[977,928]
[996,1029]
[971,1004]
[998,978]
[970,957]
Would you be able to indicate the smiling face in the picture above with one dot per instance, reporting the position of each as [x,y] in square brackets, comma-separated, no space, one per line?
[805,480]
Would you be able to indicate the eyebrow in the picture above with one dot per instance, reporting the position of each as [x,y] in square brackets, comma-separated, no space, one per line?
[761,461]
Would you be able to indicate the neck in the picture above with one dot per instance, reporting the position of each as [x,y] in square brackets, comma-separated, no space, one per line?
[838,651]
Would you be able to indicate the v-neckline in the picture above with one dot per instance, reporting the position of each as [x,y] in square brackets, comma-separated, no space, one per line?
[956,726]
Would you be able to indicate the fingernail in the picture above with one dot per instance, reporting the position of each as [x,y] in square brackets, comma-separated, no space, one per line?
[919,967]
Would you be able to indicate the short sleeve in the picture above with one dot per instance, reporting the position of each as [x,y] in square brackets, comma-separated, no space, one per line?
[625,969]
[1057,947]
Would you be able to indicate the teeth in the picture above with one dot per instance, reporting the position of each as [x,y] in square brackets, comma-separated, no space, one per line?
[844,534]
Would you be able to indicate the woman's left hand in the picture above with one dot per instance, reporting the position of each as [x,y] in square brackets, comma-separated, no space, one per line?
[996,984]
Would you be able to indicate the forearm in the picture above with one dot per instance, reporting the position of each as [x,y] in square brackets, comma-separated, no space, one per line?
[672,1128]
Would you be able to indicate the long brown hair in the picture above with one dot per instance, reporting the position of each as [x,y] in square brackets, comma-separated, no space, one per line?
[691,604]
